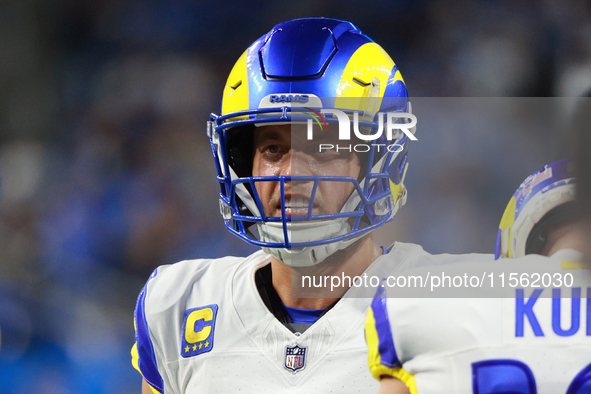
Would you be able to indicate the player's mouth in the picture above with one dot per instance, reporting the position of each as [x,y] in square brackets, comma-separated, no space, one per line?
[296,206]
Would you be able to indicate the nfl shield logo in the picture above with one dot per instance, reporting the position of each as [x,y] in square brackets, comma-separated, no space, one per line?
[295,358]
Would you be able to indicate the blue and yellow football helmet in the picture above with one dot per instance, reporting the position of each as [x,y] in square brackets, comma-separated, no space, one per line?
[310,63]
[542,200]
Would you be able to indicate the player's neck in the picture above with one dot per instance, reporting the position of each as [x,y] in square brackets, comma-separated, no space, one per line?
[350,262]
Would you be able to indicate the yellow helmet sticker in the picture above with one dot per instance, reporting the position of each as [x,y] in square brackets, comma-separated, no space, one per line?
[369,67]
[235,97]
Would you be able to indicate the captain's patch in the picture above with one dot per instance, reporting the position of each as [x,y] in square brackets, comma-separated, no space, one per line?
[198,330]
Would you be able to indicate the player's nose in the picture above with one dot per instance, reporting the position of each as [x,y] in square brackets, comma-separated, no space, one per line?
[298,164]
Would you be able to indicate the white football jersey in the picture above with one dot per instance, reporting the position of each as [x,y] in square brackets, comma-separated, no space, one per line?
[527,344]
[201,326]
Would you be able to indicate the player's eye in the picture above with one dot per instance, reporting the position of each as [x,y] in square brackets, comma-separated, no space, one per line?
[273,151]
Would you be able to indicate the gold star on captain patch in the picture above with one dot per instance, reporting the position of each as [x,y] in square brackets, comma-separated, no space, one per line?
[207,344]
[187,349]
[194,347]
[200,346]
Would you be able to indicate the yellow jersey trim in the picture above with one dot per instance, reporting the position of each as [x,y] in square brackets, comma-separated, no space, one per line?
[374,358]
[571,265]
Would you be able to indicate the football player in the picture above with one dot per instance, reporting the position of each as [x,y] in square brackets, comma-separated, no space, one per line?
[581,130]
[310,200]
[540,217]
[526,344]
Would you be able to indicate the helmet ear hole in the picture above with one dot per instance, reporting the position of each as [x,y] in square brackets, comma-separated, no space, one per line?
[240,147]
[241,150]
[538,236]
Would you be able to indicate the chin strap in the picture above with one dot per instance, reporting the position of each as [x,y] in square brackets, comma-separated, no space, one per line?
[305,232]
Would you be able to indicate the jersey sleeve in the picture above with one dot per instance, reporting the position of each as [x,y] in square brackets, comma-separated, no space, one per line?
[143,357]
[382,356]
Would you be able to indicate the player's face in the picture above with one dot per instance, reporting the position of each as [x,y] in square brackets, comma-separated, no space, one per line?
[277,153]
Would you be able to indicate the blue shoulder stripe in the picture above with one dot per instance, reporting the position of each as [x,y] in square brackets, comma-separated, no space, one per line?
[386,347]
[145,348]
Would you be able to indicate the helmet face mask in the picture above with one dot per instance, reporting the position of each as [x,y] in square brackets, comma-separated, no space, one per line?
[341,61]
[543,200]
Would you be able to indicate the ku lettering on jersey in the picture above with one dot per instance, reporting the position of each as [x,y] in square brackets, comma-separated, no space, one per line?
[529,344]
[202,326]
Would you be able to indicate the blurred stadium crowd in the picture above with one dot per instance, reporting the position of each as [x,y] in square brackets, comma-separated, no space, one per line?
[105,167]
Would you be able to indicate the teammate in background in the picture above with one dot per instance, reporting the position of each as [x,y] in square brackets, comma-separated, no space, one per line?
[541,216]
[233,324]
[497,345]
[582,146]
